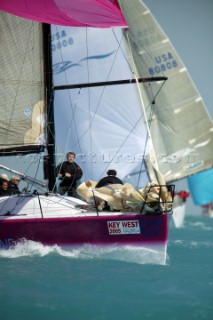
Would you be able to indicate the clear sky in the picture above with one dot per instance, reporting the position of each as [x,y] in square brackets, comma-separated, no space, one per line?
[189,26]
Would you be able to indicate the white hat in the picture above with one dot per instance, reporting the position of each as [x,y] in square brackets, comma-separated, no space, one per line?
[4,176]
[15,178]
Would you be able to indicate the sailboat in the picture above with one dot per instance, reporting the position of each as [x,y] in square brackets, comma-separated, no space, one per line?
[115,119]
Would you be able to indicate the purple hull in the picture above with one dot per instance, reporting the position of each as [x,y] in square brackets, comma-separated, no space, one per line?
[99,230]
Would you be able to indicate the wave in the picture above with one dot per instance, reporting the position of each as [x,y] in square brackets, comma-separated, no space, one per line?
[201,225]
[138,255]
[191,244]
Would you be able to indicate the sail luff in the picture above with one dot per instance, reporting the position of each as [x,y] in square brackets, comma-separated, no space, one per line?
[153,168]
[142,95]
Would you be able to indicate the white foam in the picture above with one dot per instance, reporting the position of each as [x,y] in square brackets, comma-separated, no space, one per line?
[192,244]
[200,224]
[28,248]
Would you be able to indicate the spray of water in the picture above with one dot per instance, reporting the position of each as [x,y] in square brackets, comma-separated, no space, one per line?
[138,255]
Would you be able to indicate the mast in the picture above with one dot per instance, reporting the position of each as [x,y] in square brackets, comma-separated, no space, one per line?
[49,161]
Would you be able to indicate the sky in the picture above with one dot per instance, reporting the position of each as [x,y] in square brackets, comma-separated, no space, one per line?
[189,26]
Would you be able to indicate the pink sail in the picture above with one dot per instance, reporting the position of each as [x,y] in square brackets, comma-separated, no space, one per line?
[87,13]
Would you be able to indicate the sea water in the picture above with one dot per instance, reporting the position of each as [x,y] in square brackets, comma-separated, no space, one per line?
[41,282]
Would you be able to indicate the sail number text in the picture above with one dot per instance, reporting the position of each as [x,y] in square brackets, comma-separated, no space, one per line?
[163,62]
[60,39]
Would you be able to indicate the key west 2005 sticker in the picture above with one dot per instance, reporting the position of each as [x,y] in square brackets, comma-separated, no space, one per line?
[123,227]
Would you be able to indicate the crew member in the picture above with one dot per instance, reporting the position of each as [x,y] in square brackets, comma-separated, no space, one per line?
[69,173]
[109,179]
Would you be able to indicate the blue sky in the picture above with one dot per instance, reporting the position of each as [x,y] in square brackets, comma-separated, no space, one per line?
[189,26]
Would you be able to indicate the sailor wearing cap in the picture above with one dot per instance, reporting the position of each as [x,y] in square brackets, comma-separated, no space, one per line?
[13,185]
[4,185]
[4,177]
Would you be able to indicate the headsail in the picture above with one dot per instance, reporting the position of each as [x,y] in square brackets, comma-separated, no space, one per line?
[22,94]
[181,128]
